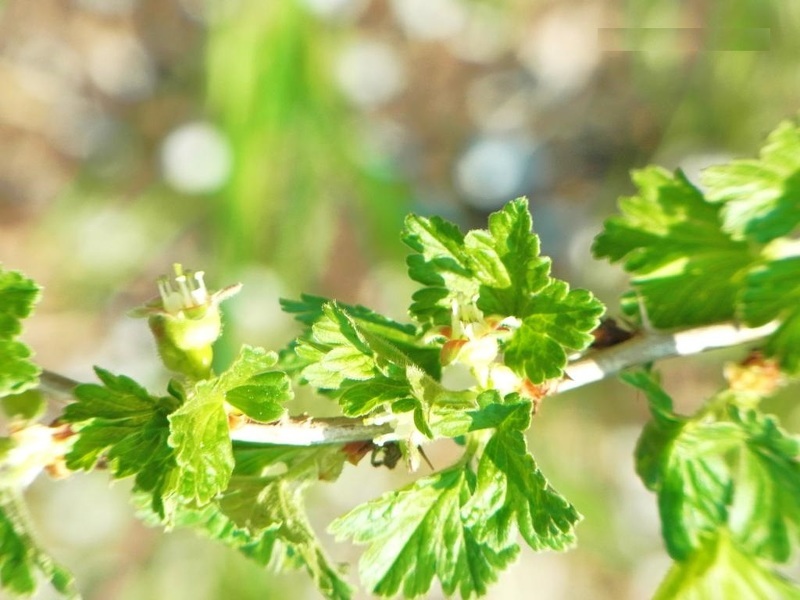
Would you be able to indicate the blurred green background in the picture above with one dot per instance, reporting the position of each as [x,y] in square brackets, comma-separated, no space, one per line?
[280,144]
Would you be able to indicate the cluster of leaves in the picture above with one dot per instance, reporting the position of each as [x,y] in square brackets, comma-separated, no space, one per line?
[727,481]
[728,478]
[188,473]
[459,525]
[501,272]
[721,252]
[22,561]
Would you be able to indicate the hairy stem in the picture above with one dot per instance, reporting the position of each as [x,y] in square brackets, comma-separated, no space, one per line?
[597,365]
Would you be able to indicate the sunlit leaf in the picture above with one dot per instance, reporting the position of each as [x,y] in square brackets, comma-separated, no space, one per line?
[685,269]
[418,533]
[759,196]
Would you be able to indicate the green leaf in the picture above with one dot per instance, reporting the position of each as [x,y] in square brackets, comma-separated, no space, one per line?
[742,474]
[441,265]
[513,496]
[501,271]
[658,400]
[760,196]
[362,398]
[418,533]
[262,397]
[765,512]
[695,485]
[336,351]
[501,266]
[123,422]
[365,373]
[506,261]
[202,444]
[459,413]
[261,514]
[785,344]
[494,412]
[558,320]
[309,309]
[22,563]
[684,463]
[263,518]
[719,569]
[403,336]
[252,361]
[310,463]
[772,292]
[17,372]
[685,269]
[18,295]
[199,428]
[28,406]
[279,513]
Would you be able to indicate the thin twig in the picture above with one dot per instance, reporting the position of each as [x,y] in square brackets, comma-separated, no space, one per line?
[307,431]
[642,349]
[653,346]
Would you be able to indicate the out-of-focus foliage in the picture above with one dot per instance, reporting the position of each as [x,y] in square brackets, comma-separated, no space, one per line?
[137,133]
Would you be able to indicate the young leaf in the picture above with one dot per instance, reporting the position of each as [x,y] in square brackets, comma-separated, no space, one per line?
[500,267]
[202,445]
[363,372]
[17,371]
[28,406]
[501,271]
[494,411]
[123,422]
[558,320]
[719,569]
[771,292]
[441,265]
[505,259]
[252,361]
[278,516]
[22,563]
[684,463]
[418,533]
[308,463]
[199,428]
[262,397]
[403,336]
[760,196]
[765,512]
[686,270]
[694,485]
[310,308]
[264,519]
[336,351]
[18,295]
[261,513]
[742,474]
[362,398]
[513,496]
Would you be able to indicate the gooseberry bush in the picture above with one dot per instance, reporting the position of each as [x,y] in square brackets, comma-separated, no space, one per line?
[709,266]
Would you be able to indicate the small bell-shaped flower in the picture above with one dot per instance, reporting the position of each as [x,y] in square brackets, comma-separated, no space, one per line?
[185,321]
